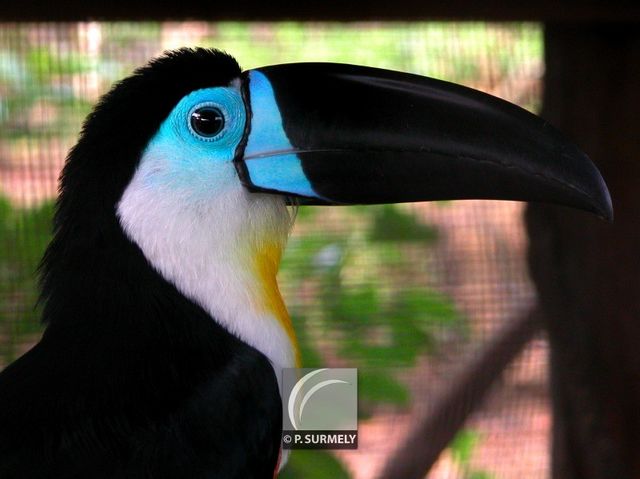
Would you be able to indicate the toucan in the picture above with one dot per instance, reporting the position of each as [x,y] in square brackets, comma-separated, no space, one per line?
[165,330]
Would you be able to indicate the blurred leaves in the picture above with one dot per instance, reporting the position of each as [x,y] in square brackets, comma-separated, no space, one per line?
[392,224]
[24,234]
[68,64]
[379,386]
[463,445]
[45,63]
[313,464]
[362,292]
[462,448]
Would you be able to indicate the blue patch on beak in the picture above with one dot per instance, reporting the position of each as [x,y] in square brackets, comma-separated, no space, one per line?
[269,157]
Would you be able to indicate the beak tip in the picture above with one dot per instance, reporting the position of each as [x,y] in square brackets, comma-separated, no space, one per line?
[602,202]
[606,209]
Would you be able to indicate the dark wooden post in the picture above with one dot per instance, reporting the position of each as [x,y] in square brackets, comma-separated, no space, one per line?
[587,271]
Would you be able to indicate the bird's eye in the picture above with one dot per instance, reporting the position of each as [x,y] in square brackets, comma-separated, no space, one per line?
[207,121]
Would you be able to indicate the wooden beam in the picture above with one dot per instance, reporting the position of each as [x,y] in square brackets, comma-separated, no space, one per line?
[322,10]
[588,271]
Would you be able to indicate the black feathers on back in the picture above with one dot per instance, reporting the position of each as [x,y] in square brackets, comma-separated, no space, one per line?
[131,379]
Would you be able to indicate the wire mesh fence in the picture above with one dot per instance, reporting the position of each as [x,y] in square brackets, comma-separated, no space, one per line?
[407,294]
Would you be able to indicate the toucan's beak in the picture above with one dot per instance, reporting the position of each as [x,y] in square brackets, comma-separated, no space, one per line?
[342,134]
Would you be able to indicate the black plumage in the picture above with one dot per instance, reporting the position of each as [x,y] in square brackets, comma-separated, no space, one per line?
[131,379]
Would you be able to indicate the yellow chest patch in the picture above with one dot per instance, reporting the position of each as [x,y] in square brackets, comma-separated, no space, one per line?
[267,264]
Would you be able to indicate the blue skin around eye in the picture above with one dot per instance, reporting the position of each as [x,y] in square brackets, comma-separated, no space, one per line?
[282,172]
[219,148]
[178,159]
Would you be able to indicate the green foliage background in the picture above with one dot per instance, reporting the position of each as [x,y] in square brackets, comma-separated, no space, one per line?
[355,279]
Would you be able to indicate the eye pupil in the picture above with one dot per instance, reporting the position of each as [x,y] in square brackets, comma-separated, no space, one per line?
[207,121]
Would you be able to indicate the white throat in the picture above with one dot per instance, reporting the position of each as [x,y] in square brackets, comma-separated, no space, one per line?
[221,251]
